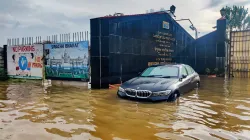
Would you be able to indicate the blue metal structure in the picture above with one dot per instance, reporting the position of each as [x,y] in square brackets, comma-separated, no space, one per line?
[209,50]
[125,45]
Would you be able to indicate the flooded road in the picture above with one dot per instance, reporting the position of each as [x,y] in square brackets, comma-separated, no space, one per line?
[218,110]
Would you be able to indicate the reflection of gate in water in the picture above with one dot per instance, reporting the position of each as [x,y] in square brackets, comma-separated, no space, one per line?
[240,54]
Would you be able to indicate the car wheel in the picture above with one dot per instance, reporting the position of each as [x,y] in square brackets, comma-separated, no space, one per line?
[118,95]
[198,85]
[173,97]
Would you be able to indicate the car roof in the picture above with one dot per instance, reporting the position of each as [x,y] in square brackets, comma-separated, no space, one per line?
[176,65]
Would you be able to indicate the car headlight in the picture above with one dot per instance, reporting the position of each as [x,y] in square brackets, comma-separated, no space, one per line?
[162,93]
[121,89]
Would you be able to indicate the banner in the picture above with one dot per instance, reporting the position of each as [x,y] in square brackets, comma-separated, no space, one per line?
[25,61]
[67,60]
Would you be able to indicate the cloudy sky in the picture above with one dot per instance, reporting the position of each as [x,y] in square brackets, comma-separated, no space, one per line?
[24,18]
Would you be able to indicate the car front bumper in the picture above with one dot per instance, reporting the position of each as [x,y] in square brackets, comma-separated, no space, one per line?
[152,98]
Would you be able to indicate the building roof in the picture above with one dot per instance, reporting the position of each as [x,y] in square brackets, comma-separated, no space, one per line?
[133,15]
[153,13]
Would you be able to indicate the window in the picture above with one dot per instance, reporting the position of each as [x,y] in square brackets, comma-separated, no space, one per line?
[192,69]
[184,71]
[189,70]
[161,71]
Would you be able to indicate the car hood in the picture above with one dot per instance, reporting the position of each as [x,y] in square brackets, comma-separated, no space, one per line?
[149,83]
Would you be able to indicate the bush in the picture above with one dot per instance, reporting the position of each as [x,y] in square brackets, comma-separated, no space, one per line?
[221,72]
[216,70]
[207,71]
[3,75]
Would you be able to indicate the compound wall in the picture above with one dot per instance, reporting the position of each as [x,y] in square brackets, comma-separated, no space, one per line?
[123,46]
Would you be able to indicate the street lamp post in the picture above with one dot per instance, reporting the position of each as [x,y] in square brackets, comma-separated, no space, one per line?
[172,11]
[227,47]
[191,27]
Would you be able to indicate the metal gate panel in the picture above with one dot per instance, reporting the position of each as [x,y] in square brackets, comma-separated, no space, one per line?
[247,44]
[240,54]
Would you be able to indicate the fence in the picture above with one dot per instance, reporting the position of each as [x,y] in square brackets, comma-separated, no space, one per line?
[1,58]
[124,46]
[3,74]
[240,54]
[65,56]
[74,37]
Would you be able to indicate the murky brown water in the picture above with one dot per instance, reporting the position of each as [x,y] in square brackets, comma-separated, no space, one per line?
[219,110]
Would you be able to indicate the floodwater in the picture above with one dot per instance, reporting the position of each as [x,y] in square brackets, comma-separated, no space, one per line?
[218,110]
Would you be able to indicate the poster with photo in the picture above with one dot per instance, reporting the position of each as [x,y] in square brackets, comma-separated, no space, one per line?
[67,60]
[25,61]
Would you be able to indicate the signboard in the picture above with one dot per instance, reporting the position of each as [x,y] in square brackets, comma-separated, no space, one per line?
[67,60]
[164,48]
[165,25]
[25,61]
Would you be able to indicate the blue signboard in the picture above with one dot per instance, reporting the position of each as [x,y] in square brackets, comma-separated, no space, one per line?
[67,60]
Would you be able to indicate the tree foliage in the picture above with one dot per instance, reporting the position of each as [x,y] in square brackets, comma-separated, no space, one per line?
[247,22]
[238,17]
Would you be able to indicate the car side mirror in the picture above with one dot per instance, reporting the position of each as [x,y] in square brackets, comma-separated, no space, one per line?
[184,76]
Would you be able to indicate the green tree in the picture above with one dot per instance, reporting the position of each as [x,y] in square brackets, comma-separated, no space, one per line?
[246,23]
[237,16]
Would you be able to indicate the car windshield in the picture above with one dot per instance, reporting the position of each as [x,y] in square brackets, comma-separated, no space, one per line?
[161,71]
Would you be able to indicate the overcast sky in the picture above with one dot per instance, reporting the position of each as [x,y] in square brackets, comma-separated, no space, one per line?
[24,18]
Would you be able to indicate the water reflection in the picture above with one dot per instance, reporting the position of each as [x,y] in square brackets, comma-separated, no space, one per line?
[220,109]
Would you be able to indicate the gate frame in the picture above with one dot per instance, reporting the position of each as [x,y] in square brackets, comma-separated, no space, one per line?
[230,55]
[230,52]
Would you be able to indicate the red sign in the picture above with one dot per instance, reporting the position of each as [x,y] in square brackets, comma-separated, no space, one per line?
[23,49]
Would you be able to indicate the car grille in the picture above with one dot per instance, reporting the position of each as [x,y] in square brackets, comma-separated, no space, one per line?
[143,93]
[131,92]
[138,93]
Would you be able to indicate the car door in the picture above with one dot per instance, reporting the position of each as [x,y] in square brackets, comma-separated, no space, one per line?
[191,77]
[184,83]
[196,77]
